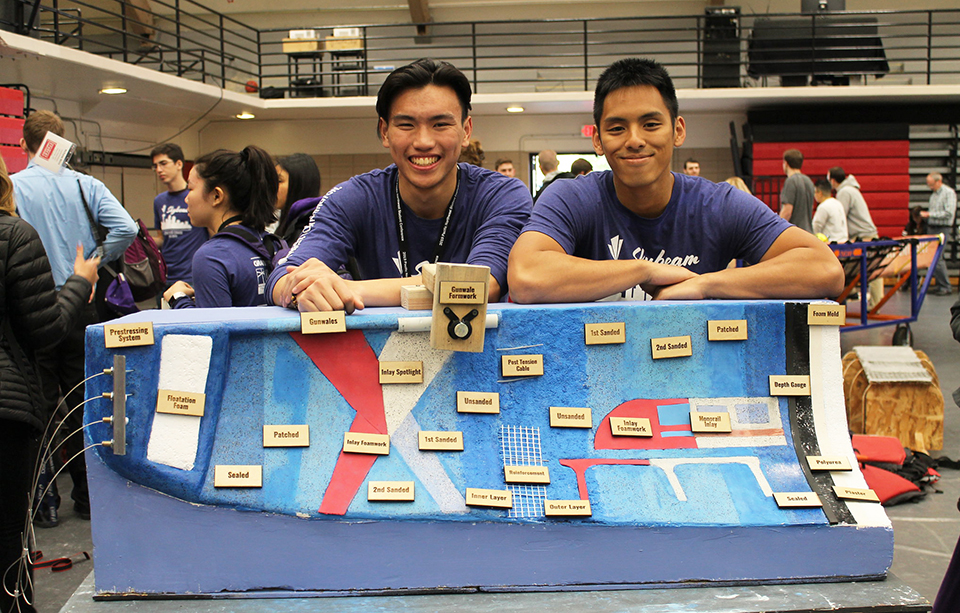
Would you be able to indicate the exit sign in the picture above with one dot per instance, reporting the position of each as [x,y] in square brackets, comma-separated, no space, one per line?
[588,130]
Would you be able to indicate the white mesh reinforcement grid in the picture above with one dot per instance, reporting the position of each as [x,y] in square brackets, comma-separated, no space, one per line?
[520,446]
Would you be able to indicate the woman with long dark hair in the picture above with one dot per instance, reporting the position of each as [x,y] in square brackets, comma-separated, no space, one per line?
[232,195]
[299,181]
[33,316]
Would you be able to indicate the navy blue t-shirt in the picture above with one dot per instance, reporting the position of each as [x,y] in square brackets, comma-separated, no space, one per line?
[227,272]
[703,227]
[357,219]
[180,239]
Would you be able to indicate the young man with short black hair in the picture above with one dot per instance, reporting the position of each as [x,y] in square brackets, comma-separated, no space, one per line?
[641,230]
[177,237]
[423,208]
[829,219]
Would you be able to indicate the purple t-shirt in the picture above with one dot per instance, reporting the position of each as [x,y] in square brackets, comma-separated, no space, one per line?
[357,219]
[704,226]
[180,239]
[226,272]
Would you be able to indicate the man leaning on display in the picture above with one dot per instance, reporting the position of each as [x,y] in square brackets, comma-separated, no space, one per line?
[423,208]
[640,231]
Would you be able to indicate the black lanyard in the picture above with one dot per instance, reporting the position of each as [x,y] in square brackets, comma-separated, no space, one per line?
[227,222]
[402,234]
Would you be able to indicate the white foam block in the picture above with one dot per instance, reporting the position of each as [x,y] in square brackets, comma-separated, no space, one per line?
[184,366]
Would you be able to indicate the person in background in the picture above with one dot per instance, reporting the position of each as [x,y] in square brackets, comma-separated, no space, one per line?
[829,218]
[550,167]
[796,197]
[299,181]
[581,166]
[230,193]
[691,167]
[473,154]
[177,238]
[53,203]
[739,184]
[860,224]
[916,225]
[941,216]
[505,167]
[34,316]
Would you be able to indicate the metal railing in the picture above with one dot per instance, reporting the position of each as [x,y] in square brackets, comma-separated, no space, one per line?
[720,49]
[180,37]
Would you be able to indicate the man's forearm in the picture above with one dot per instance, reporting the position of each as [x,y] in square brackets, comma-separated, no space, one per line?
[798,273]
[557,277]
[786,211]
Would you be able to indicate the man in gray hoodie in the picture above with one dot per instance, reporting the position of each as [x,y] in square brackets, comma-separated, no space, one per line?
[860,224]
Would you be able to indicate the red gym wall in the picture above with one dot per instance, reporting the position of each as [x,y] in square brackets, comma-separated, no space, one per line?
[880,166]
[11,129]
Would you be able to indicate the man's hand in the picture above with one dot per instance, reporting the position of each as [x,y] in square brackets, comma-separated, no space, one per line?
[691,289]
[179,286]
[87,269]
[313,286]
[661,277]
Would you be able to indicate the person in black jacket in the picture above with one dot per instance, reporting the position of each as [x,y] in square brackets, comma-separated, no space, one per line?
[33,316]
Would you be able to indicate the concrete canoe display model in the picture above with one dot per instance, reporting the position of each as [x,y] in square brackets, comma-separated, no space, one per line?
[588,446]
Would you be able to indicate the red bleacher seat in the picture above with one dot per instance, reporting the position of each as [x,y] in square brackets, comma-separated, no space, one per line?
[11,130]
[11,102]
[14,157]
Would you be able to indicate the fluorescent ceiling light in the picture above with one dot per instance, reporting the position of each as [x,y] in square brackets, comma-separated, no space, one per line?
[113,90]
[515,109]
[246,115]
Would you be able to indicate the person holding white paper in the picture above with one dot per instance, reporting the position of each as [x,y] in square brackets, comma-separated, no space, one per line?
[53,203]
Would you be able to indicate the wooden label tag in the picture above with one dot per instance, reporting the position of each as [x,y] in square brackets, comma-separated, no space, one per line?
[402,491]
[286,436]
[727,330]
[630,426]
[478,402]
[797,499]
[180,403]
[128,335]
[526,474]
[362,442]
[818,462]
[521,365]
[489,498]
[570,417]
[567,508]
[856,493]
[462,292]
[237,476]
[440,441]
[604,334]
[322,323]
[826,314]
[671,347]
[401,372]
[789,385]
[710,422]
